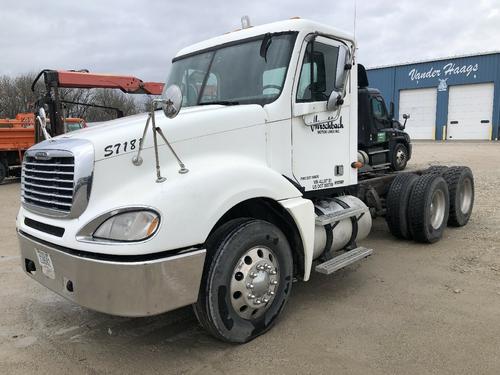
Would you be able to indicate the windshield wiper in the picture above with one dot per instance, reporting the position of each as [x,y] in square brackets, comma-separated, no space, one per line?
[264,46]
[221,102]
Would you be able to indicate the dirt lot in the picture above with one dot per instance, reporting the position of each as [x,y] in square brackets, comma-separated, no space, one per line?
[408,309]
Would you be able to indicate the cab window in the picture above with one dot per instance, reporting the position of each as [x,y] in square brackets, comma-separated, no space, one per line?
[378,108]
[317,75]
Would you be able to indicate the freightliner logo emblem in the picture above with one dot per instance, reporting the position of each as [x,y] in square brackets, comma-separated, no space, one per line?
[42,155]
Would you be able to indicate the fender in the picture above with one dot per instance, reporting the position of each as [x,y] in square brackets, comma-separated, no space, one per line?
[226,181]
[302,212]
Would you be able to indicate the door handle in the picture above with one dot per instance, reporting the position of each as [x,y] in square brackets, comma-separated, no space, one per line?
[453,122]
[485,121]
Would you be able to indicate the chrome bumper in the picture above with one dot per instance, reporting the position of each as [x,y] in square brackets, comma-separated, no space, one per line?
[138,288]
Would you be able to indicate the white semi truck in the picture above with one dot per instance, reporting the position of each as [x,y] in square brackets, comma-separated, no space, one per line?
[247,182]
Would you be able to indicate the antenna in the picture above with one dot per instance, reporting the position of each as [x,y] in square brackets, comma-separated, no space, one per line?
[355,16]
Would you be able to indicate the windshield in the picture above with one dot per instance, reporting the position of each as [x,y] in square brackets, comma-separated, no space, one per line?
[250,72]
[72,126]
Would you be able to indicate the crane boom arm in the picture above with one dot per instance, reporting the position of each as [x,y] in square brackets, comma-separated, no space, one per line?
[83,79]
[127,84]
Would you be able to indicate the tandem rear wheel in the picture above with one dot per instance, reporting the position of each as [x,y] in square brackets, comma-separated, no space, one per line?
[420,207]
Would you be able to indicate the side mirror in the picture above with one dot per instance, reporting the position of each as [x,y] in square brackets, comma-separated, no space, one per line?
[334,101]
[343,66]
[406,116]
[172,101]
[336,98]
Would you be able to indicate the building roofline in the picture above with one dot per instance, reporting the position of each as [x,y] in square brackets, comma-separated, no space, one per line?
[432,60]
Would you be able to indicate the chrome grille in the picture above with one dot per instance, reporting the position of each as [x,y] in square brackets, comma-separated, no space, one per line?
[57,177]
[48,180]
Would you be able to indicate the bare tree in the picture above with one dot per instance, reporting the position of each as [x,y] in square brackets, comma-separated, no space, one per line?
[16,97]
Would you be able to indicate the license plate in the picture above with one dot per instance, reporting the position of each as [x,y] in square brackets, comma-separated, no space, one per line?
[46,264]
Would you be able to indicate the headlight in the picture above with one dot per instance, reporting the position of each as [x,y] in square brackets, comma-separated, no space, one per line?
[129,226]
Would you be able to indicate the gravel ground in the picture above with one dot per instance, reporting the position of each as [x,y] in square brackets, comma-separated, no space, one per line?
[408,309]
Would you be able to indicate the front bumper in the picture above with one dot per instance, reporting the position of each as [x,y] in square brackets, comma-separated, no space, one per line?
[124,288]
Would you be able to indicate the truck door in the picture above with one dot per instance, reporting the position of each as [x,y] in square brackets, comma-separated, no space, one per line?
[380,115]
[322,140]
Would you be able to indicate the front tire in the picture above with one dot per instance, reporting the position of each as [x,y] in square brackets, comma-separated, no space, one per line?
[399,157]
[246,281]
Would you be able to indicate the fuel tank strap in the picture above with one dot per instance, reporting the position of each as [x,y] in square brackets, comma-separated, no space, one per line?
[328,231]
[354,220]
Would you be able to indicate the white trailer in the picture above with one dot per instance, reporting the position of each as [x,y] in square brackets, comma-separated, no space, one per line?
[247,182]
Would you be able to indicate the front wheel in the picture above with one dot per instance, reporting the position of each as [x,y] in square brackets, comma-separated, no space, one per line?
[246,282]
[399,157]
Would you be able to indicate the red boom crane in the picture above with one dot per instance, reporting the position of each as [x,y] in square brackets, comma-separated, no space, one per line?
[55,79]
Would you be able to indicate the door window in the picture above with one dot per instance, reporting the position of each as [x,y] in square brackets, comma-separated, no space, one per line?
[317,75]
[378,108]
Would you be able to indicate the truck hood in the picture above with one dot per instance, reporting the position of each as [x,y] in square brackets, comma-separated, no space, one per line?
[190,123]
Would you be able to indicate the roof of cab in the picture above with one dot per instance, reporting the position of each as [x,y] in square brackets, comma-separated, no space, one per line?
[295,24]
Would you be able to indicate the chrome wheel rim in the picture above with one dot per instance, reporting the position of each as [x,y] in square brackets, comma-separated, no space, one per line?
[400,157]
[465,196]
[438,205]
[254,282]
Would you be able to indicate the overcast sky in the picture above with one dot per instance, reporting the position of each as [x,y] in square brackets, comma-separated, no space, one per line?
[130,37]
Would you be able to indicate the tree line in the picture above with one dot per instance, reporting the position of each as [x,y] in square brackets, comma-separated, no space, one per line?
[16,97]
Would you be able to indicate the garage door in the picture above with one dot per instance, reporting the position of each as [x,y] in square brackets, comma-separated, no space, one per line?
[420,104]
[470,111]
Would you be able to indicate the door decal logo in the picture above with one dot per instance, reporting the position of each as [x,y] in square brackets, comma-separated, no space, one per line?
[327,126]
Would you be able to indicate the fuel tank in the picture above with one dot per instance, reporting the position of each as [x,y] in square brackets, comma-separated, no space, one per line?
[338,235]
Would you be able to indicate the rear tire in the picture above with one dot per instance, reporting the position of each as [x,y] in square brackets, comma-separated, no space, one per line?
[461,186]
[397,205]
[436,169]
[428,208]
[399,157]
[246,281]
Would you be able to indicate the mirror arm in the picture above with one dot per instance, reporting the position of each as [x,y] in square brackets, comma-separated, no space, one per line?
[159,177]
[43,125]
[137,160]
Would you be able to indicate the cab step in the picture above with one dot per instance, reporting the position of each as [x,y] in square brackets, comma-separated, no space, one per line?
[339,215]
[343,260]
[377,152]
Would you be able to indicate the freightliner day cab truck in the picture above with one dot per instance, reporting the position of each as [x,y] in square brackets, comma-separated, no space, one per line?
[244,181]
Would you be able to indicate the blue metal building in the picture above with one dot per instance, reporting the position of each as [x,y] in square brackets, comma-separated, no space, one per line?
[454,98]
